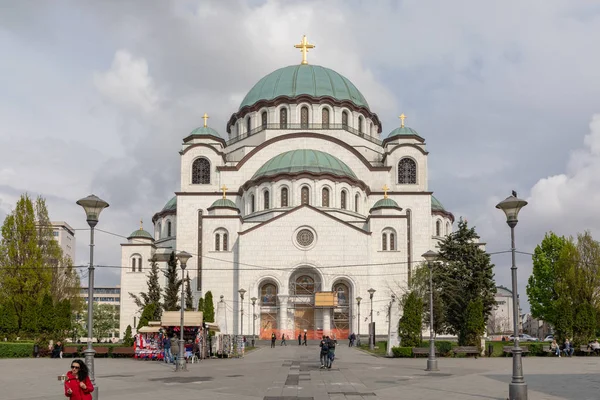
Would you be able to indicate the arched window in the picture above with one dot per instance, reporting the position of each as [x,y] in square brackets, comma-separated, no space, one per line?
[356,201]
[407,171]
[371,130]
[266,199]
[343,200]
[284,197]
[325,197]
[283,118]
[325,118]
[344,119]
[218,242]
[133,261]
[139,264]
[388,240]
[263,120]
[159,233]
[384,241]
[248,125]
[448,228]
[268,294]
[225,242]
[392,242]
[168,228]
[360,126]
[201,171]
[438,228]
[252,205]
[136,263]
[305,285]
[304,117]
[342,292]
[304,195]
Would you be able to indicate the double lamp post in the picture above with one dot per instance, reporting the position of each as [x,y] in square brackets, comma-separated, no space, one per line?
[183,257]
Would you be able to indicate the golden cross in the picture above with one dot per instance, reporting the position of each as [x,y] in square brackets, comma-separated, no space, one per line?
[402,118]
[205,117]
[141,224]
[385,190]
[304,46]
[224,189]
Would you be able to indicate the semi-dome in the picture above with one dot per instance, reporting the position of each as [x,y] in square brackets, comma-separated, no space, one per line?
[206,131]
[171,205]
[303,79]
[386,202]
[436,205]
[402,131]
[223,203]
[140,234]
[296,161]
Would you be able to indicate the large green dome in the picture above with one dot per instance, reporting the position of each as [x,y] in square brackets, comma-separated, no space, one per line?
[314,161]
[311,80]
[140,234]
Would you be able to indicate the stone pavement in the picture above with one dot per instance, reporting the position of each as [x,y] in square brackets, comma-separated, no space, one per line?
[292,372]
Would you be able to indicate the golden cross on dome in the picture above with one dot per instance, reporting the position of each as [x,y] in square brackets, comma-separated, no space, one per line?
[141,224]
[224,189]
[385,190]
[205,117]
[402,118]
[304,46]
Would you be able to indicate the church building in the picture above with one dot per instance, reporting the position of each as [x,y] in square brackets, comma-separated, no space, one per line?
[302,209]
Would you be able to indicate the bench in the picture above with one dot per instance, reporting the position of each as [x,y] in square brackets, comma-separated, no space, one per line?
[466,350]
[585,349]
[101,351]
[508,350]
[422,351]
[72,350]
[123,351]
[547,349]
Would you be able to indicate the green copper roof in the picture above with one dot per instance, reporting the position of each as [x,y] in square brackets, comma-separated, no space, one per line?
[223,203]
[402,131]
[205,130]
[140,234]
[436,205]
[312,80]
[314,161]
[171,205]
[385,203]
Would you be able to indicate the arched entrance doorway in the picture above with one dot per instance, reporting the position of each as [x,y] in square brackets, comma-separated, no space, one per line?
[269,312]
[303,285]
[341,318]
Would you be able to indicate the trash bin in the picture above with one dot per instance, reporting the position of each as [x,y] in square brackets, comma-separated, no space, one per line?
[490,349]
[36,350]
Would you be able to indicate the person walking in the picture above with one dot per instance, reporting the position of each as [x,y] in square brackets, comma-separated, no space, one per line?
[304,343]
[299,339]
[324,345]
[331,354]
[167,347]
[273,339]
[78,385]
[283,343]
[174,348]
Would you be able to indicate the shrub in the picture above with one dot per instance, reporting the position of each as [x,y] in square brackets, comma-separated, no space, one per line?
[536,349]
[403,352]
[444,347]
[16,350]
[409,327]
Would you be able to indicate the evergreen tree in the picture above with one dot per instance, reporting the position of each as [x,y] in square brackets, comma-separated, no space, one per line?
[128,338]
[201,304]
[8,320]
[189,299]
[474,324]
[47,315]
[411,322]
[147,315]
[209,307]
[171,293]
[420,284]
[153,295]
[63,316]
[584,324]
[563,326]
[464,275]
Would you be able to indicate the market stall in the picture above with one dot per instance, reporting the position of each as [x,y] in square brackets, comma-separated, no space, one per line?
[148,342]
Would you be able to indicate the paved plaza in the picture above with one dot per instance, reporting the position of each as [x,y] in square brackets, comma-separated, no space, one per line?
[293,372]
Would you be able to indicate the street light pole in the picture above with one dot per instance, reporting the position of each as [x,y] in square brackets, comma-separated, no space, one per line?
[93,206]
[517,389]
[253,318]
[181,365]
[432,364]
[358,299]
[242,292]
[371,326]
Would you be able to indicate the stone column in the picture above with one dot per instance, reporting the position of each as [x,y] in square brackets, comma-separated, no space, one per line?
[283,316]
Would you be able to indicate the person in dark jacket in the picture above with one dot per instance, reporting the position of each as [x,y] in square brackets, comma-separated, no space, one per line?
[304,342]
[299,339]
[78,385]
[273,339]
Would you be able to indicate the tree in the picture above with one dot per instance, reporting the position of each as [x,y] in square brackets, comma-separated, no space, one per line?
[584,324]
[8,320]
[128,338]
[464,275]
[106,320]
[189,299]
[63,317]
[209,307]
[147,315]
[541,287]
[201,304]
[48,319]
[420,284]
[411,322]
[153,295]
[171,293]
[474,324]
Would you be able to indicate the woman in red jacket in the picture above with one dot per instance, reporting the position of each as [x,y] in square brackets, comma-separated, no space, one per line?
[77,384]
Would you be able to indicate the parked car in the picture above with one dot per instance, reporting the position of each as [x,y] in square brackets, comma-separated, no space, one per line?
[523,337]
[549,338]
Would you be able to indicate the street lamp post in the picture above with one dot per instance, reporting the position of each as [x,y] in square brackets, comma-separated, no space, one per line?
[358,299]
[183,257]
[253,318]
[93,206]
[432,364]
[372,327]
[242,292]
[517,388]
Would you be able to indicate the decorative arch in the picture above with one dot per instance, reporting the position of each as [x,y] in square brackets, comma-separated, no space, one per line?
[389,239]
[304,117]
[159,231]
[221,239]
[360,125]
[407,171]
[266,200]
[263,119]
[325,117]
[325,196]
[345,117]
[438,228]
[284,196]
[169,229]
[201,171]
[356,202]
[136,262]
[283,118]
[344,199]
[248,125]
[342,314]
[305,195]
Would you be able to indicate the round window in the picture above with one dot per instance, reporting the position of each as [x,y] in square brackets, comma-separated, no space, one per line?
[305,237]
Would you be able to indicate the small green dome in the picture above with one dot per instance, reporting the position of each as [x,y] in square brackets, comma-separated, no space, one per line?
[224,203]
[171,205]
[140,234]
[304,79]
[303,160]
[436,205]
[206,131]
[403,131]
[385,203]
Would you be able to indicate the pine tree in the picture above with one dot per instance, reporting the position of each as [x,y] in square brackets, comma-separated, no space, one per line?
[154,293]
[209,307]
[201,304]
[8,320]
[464,275]
[189,299]
[63,317]
[411,322]
[474,324]
[127,338]
[171,293]
[47,314]
[147,315]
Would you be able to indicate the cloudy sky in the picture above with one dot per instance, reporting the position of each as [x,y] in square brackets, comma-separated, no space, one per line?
[96,97]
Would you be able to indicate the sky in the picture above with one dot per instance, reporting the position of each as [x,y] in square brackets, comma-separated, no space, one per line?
[96,97]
